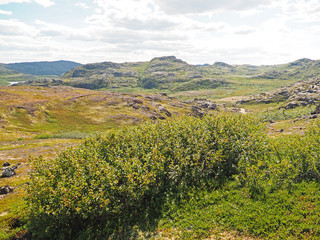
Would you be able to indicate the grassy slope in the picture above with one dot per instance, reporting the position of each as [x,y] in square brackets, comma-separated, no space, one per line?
[7,75]
[39,120]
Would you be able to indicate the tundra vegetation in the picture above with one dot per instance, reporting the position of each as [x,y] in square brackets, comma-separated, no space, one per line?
[109,165]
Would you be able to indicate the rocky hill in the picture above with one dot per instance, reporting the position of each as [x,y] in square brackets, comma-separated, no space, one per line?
[301,93]
[165,73]
[172,75]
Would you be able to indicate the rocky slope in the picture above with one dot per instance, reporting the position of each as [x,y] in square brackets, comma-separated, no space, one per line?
[172,75]
[166,73]
[301,93]
[61,108]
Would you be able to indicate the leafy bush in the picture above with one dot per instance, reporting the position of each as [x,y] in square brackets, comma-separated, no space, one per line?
[285,160]
[113,182]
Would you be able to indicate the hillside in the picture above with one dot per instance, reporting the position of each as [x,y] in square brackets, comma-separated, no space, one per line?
[194,178]
[56,68]
[208,174]
[185,81]
[39,110]
[7,75]
[32,71]
[163,73]
[302,93]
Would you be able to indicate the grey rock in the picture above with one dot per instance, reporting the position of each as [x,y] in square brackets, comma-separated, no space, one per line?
[292,105]
[197,111]
[6,164]
[16,166]
[5,190]
[165,111]
[317,111]
[8,172]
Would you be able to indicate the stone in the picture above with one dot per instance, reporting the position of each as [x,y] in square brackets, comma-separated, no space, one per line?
[165,111]
[5,190]
[292,105]
[196,111]
[6,164]
[16,166]
[317,111]
[8,172]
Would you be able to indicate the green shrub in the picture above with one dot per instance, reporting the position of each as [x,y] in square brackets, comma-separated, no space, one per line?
[109,184]
[285,160]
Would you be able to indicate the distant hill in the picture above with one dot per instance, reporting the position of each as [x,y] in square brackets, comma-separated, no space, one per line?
[56,68]
[163,73]
[172,75]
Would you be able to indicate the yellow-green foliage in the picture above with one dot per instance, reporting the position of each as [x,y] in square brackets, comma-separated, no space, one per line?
[113,182]
[285,160]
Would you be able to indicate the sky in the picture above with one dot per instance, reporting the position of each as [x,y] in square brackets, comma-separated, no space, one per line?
[254,32]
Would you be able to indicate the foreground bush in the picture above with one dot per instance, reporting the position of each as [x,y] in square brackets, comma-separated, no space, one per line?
[286,160]
[111,183]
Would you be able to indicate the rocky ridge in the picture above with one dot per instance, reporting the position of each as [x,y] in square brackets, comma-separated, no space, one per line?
[302,93]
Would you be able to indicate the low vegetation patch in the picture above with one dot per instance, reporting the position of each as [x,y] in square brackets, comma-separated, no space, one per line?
[114,182]
[183,179]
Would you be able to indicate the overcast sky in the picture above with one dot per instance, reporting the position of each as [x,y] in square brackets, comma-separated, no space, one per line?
[197,31]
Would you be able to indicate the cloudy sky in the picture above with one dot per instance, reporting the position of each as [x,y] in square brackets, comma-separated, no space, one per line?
[197,31]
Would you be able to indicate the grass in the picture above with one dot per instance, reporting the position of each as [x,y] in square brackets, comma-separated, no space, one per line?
[12,206]
[285,114]
[279,215]
[239,86]
[12,218]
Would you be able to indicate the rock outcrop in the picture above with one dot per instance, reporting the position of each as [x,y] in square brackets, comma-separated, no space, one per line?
[302,93]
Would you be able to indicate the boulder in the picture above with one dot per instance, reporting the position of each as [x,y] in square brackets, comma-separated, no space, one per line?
[5,190]
[317,111]
[8,172]
[292,105]
[16,166]
[196,111]
[165,111]
[6,164]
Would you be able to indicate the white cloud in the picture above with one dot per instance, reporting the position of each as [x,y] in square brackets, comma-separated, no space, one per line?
[198,31]
[5,12]
[3,2]
[82,5]
[15,27]
[302,7]
[197,6]
[45,3]
[244,30]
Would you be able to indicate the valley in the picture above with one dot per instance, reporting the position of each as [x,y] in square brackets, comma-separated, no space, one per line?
[217,145]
